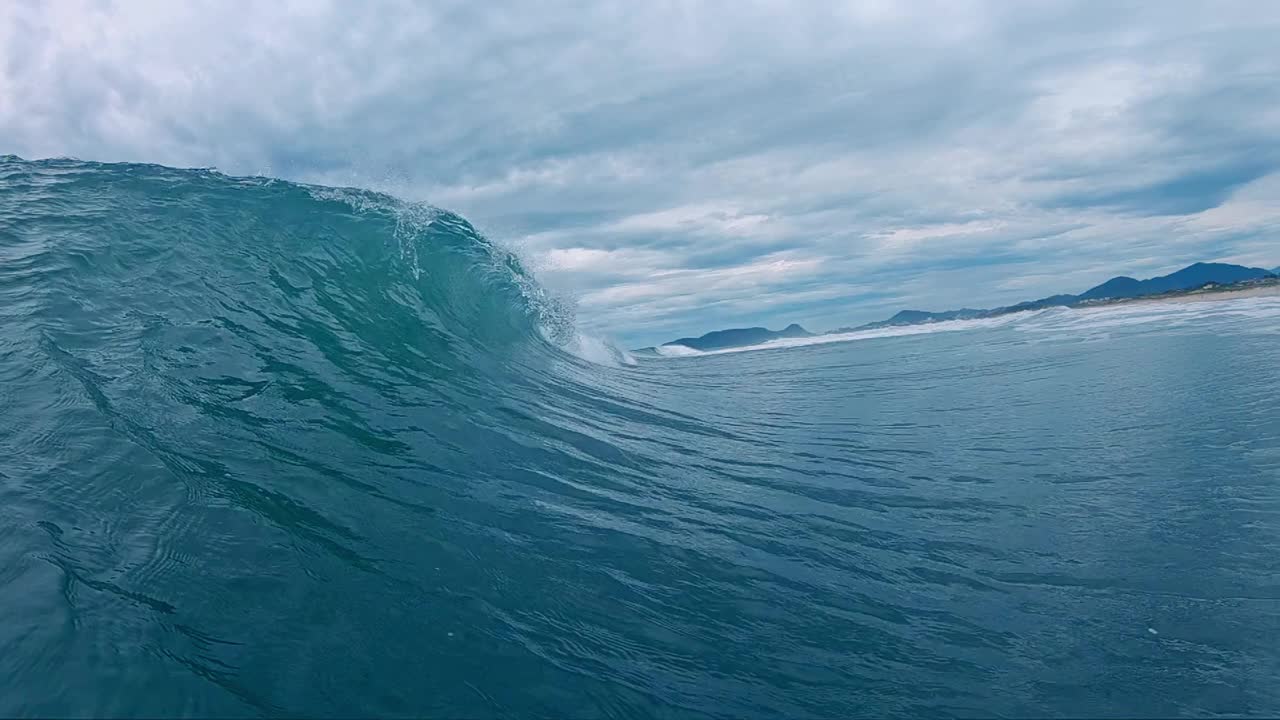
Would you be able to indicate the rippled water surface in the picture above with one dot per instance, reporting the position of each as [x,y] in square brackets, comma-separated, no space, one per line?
[275,450]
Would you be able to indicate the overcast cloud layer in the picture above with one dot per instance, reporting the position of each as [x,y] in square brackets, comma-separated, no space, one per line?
[681,167]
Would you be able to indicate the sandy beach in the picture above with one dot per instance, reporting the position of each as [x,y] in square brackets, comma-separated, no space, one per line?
[1211,295]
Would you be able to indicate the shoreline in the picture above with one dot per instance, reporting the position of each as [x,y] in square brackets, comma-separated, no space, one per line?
[1226,293]
[1265,287]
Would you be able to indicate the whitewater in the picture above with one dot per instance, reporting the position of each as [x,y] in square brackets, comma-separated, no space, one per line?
[1227,307]
[269,449]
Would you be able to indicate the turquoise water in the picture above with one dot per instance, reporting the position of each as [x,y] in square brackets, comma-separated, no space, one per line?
[275,450]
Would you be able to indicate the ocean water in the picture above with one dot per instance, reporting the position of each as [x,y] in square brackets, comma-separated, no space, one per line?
[268,449]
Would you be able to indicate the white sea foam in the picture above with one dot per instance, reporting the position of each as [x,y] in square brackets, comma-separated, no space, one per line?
[677,351]
[1263,309]
[1261,312]
[599,350]
[896,331]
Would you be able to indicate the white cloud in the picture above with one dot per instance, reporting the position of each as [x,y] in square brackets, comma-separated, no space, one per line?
[760,274]
[623,261]
[688,165]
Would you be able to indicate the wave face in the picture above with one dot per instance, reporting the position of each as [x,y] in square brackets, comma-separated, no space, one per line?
[269,449]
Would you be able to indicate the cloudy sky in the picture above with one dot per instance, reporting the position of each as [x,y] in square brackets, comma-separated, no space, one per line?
[683,166]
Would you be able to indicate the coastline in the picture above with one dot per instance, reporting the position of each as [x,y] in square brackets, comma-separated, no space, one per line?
[1200,282]
[1225,293]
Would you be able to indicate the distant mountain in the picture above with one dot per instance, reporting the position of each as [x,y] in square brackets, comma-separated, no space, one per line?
[740,337]
[1188,278]
[1117,288]
[1042,303]
[916,317]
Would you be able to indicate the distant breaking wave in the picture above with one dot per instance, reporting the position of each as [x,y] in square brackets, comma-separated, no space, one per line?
[1048,320]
